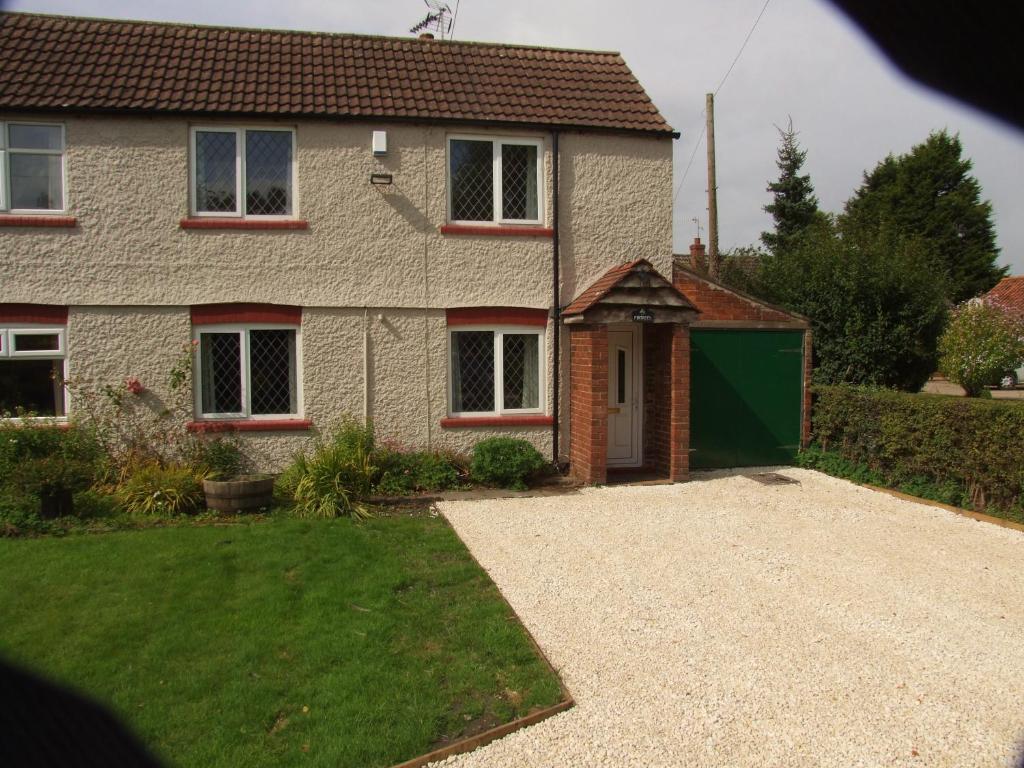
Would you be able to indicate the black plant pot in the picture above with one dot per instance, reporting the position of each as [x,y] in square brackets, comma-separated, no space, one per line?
[56,504]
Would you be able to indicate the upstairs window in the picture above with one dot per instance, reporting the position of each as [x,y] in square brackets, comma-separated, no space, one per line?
[496,371]
[495,180]
[248,372]
[32,371]
[243,172]
[31,167]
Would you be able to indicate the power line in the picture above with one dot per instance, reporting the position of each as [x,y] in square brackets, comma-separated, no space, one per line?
[696,146]
[743,47]
[455,18]
[693,154]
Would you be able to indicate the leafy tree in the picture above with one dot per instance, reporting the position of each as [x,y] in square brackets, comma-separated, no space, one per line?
[981,343]
[875,305]
[794,206]
[930,193]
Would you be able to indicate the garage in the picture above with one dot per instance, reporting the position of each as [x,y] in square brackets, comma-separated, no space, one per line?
[746,397]
[749,373]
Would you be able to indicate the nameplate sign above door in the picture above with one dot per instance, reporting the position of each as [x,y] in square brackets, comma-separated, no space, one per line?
[643,315]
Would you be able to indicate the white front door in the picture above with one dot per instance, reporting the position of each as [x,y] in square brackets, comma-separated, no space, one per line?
[624,397]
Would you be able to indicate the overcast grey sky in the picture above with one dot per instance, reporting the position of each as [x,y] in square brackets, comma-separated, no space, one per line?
[804,60]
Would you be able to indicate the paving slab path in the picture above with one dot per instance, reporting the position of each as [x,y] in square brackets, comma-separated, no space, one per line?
[722,622]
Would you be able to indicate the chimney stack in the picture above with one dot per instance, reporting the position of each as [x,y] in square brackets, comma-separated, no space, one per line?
[698,258]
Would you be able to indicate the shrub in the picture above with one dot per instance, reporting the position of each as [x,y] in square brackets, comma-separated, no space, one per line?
[155,491]
[408,472]
[980,345]
[506,462]
[52,480]
[42,467]
[94,503]
[337,478]
[970,450]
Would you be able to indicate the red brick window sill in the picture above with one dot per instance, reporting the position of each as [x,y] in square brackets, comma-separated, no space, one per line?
[248,224]
[257,425]
[38,221]
[499,231]
[538,420]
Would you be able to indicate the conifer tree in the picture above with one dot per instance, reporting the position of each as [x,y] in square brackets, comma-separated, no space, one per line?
[794,206]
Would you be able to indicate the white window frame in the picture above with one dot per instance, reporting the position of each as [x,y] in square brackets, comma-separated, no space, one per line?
[5,175]
[499,369]
[243,329]
[497,142]
[240,191]
[7,352]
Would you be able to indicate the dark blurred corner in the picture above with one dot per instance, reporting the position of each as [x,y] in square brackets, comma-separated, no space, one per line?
[45,726]
[965,50]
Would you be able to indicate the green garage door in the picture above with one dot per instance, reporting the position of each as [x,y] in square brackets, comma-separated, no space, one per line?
[745,397]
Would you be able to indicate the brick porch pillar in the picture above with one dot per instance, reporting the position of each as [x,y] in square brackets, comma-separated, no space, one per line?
[588,403]
[679,417]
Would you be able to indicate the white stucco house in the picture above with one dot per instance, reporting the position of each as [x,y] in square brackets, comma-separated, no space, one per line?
[452,239]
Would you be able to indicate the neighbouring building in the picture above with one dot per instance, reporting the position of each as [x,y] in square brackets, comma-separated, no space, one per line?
[454,239]
[1008,295]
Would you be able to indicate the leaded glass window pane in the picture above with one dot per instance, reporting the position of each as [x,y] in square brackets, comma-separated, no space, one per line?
[216,172]
[272,372]
[519,182]
[268,173]
[221,372]
[472,180]
[473,372]
[34,137]
[520,361]
[36,181]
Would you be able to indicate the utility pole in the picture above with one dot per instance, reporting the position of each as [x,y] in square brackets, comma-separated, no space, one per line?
[712,191]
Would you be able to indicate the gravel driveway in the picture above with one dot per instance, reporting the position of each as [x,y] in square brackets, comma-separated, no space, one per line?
[722,622]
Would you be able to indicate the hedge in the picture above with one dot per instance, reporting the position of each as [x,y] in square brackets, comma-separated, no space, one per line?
[975,445]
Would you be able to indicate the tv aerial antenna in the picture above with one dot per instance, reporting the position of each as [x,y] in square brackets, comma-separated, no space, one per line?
[439,19]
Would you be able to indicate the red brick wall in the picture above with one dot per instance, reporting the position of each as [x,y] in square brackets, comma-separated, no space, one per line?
[588,402]
[717,303]
[679,424]
[657,396]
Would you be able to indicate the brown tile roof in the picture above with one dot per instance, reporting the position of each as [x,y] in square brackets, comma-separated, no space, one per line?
[601,288]
[1009,294]
[611,279]
[58,62]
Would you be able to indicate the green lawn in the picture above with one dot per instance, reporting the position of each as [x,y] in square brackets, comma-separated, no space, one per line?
[282,642]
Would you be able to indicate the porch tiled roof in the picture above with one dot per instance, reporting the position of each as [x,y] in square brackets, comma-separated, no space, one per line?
[70,63]
[1009,294]
[611,279]
[600,289]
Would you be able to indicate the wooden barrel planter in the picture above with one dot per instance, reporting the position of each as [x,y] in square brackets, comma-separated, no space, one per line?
[239,493]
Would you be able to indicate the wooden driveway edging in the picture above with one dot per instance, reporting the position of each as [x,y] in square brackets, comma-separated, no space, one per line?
[979,516]
[471,743]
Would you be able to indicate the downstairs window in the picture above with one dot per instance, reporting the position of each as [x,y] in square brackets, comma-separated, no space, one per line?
[32,371]
[496,371]
[247,372]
